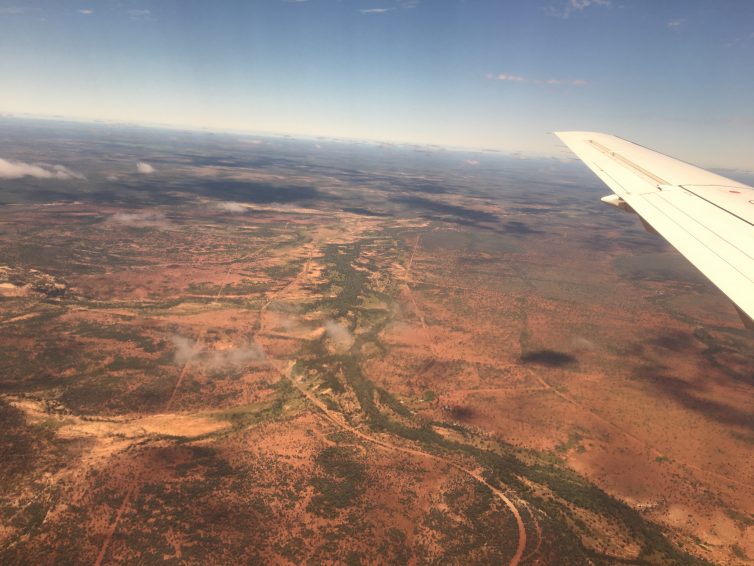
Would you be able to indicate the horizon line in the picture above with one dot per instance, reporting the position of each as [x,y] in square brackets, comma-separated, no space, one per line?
[245,132]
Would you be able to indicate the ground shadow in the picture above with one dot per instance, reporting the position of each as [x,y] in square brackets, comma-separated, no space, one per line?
[550,358]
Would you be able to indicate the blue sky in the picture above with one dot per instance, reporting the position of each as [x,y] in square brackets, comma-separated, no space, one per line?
[674,75]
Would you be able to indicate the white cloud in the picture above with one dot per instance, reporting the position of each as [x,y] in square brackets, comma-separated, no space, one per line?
[140,219]
[144,168]
[232,358]
[86,11]
[564,10]
[376,10]
[11,11]
[472,162]
[339,334]
[187,350]
[232,207]
[675,24]
[17,169]
[520,79]
[512,78]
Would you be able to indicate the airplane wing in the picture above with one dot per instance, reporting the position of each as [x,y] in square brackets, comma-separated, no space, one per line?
[706,217]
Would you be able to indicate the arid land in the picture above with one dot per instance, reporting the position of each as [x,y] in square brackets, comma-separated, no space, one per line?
[282,362]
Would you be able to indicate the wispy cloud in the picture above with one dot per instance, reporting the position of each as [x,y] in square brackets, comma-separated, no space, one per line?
[146,219]
[520,79]
[144,168]
[11,11]
[17,169]
[502,77]
[340,336]
[233,358]
[85,11]
[215,360]
[397,4]
[565,9]
[232,207]
[376,10]
[185,348]
[675,24]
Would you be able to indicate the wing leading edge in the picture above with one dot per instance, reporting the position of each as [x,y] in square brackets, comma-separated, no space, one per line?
[706,217]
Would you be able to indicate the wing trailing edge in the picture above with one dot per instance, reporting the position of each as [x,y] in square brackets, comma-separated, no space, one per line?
[707,217]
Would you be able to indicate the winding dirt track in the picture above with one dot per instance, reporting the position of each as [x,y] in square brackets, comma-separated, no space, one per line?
[338,421]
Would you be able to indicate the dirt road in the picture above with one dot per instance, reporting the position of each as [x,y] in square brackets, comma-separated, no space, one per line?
[339,421]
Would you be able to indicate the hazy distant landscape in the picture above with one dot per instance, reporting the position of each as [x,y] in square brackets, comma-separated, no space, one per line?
[218,348]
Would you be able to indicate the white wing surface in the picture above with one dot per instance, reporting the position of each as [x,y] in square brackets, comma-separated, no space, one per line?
[706,217]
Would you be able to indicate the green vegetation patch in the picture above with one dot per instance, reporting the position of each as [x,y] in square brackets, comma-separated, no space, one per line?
[573,442]
[342,278]
[340,481]
[119,333]
[19,444]
[477,530]
[245,416]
